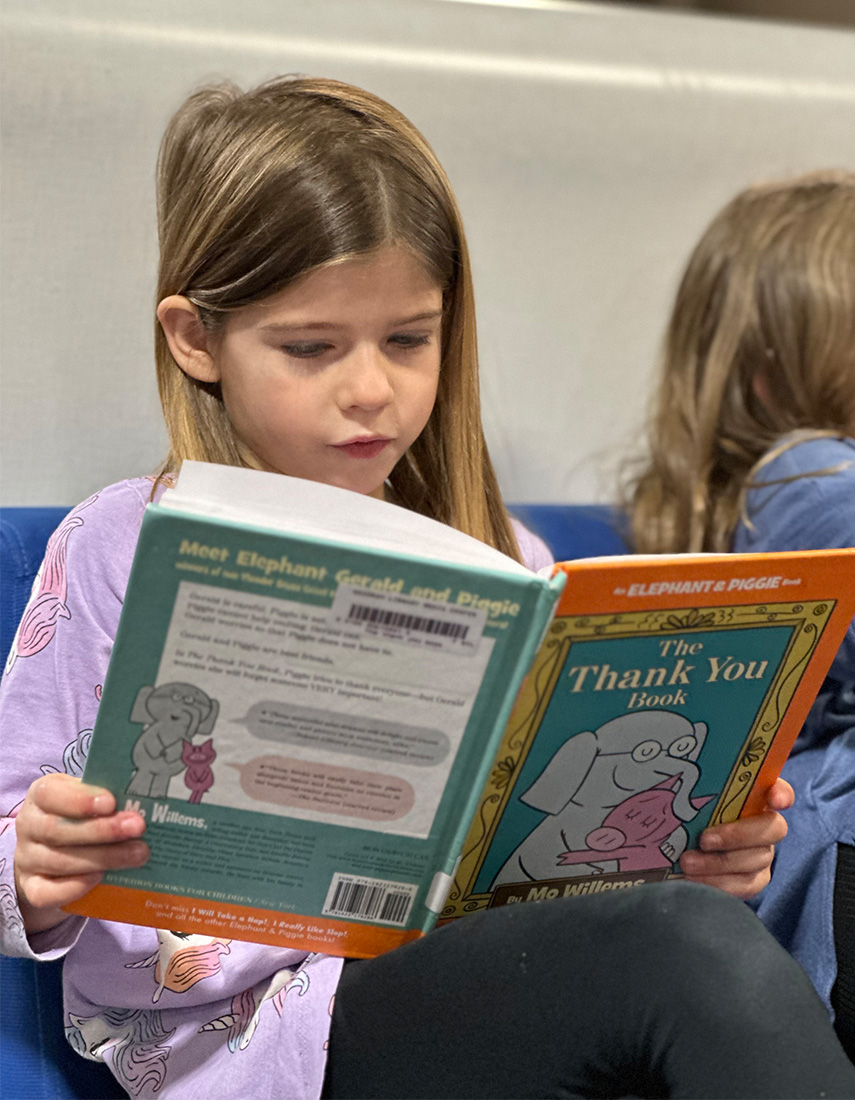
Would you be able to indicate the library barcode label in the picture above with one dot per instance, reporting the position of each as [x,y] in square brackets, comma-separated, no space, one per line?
[394,617]
[378,616]
[369,899]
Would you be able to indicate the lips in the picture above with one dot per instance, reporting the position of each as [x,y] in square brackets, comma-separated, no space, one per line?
[363,448]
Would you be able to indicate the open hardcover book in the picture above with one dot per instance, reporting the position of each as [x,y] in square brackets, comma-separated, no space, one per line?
[305,693]
[312,696]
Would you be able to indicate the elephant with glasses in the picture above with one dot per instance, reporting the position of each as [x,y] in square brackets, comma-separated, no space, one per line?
[172,714]
[591,774]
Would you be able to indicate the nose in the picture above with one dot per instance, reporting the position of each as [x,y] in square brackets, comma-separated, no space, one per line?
[366,382]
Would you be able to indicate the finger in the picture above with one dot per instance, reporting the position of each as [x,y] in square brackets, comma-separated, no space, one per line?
[742,861]
[70,797]
[35,826]
[47,878]
[740,873]
[749,832]
[738,886]
[41,860]
[44,892]
[780,795]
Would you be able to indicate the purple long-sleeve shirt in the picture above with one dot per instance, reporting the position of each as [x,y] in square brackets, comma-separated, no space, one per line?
[172,1014]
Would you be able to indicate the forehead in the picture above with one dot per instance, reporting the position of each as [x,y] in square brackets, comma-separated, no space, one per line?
[391,283]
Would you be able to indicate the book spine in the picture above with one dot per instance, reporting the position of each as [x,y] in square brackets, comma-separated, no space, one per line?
[126,641]
[540,617]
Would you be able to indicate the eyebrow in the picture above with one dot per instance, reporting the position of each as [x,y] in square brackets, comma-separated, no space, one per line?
[310,326]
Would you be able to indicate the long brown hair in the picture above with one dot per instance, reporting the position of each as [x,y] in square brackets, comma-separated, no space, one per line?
[258,188]
[759,354]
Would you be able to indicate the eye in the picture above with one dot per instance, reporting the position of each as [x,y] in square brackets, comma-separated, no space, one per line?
[408,340]
[306,349]
[647,750]
[682,746]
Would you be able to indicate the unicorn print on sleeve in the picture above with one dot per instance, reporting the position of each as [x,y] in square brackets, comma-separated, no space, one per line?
[47,606]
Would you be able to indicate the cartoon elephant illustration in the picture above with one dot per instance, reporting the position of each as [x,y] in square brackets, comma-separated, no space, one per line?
[173,713]
[591,774]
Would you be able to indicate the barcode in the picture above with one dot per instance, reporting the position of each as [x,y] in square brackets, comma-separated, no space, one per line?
[378,616]
[415,621]
[369,899]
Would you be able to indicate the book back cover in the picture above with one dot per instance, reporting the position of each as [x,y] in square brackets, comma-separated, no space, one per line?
[299,721]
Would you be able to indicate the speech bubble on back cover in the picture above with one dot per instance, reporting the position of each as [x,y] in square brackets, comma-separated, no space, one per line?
[330,731]
[326,788]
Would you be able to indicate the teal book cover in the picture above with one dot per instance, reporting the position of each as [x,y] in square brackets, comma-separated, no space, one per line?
[305,723]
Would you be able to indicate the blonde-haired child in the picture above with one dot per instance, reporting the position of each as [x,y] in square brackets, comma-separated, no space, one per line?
[751,448]
[316,318]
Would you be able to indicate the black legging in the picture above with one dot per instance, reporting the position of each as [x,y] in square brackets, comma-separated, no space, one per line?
[671,989]
[843,993]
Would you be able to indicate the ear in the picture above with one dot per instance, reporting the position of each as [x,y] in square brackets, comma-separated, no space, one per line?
[208,724]
[140,711]
[187,339]
[701,736]
[563,775]
[761,389]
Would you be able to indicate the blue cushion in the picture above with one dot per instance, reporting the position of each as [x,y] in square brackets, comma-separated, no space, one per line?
[36,1063]
[575,530]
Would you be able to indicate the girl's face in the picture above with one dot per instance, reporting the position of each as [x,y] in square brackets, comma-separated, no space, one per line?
[334,378]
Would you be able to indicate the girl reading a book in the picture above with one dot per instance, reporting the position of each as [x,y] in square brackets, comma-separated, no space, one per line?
[751,448]
[316,319]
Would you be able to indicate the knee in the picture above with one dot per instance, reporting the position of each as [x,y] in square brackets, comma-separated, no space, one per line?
[691,925]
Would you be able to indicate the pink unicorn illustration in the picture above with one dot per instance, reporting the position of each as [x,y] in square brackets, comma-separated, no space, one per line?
[242,1021]
[181,960]
[47,602]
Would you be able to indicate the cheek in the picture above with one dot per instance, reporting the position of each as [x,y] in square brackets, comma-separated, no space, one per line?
[428,401]
[424,397]
[261,402]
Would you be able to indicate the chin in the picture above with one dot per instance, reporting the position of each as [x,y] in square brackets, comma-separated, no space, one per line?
[366,487]
[378,491]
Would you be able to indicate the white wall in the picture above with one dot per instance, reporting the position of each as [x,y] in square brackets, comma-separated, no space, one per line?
[588,145]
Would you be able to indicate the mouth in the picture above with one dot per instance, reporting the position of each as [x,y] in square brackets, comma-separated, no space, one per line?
[363,446]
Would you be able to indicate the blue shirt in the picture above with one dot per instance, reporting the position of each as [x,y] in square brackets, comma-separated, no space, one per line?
[813,511]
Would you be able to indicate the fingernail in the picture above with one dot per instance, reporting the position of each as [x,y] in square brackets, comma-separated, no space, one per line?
[710,842]
[130,825]
[102,804]
[138,854]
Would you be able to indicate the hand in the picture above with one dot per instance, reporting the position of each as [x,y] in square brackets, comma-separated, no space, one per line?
[68,834]
[737,857]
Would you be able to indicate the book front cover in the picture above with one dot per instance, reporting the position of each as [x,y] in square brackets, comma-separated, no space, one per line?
[647,716]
